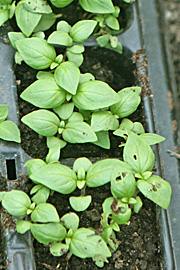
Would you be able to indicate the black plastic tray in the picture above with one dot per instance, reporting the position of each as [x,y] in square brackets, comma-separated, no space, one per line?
[146,31]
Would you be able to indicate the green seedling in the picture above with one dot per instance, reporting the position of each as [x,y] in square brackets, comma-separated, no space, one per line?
[62,179]
[8,129]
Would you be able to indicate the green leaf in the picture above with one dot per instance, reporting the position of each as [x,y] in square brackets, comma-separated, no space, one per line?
[41,75]
[23,226]
[129,101]
[77,59]
[44,93]
[44,122]
[112,22]
[93,95]
[4,16]
[63,26]
[26,20]
[36,52]
[12,10]
[138,128]
[152,138]
[40,6]
[41,195]
[122,213]
[104,171]
[61,3]
[82,30]
[3,112]
[126,124]
[59,249]
[102,139]
[48,233]
[56,177]
[82,162]
[64,111]
[86,77]
[55,145]
[103,40]
[156,189]
[18,59]
[75,116]
[78,132]
[124,186]
[33,165]
[104,120]
[76,49]
[35,189]
[16,203]
[9,131]
[97,6]
[70,221]
[116,12]
[113,42]
[81,203]
[67,76]
[122,133]
[46,21]
[5,2]
[85,244]
[60,38]
[114,45]
[45,213]
[138,154]
[138,205]
[13,36]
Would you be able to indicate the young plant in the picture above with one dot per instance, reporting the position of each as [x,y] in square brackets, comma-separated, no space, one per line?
[65,88]
[62,179]
[8,129]
[48,229]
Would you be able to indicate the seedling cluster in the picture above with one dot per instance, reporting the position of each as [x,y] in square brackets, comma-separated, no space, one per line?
[76,108]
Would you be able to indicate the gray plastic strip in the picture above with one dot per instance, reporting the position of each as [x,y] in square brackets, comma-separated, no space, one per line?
[19,247]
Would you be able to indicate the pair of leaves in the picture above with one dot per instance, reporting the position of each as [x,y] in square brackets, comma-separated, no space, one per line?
[8,129]
[62,179]
[89,95]
[46,123]
[31,16]
[66,35]
[127,126]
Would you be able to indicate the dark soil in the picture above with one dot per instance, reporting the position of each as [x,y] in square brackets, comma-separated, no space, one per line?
[115,69]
